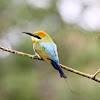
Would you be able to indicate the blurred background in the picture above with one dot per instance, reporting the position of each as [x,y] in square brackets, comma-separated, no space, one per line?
[73,25]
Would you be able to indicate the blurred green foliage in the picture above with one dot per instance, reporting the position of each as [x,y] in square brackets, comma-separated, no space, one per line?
[22,78]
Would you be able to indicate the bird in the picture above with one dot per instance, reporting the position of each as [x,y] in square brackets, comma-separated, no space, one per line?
[46,49]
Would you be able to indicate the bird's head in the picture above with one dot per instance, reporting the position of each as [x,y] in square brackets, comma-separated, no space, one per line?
[37,35]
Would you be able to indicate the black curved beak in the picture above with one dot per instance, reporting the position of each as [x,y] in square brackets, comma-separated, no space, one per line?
[28,33]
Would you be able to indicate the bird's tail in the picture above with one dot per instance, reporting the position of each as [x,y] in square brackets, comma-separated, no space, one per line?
[58,67]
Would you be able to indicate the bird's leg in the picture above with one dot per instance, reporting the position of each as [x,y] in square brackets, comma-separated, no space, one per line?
[37,56]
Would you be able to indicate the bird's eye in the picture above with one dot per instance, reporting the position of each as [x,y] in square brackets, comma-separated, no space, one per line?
[37,37]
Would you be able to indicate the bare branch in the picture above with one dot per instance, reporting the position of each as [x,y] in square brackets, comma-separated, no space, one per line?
[92,77]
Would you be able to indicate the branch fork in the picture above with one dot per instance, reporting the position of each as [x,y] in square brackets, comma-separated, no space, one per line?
[96,74]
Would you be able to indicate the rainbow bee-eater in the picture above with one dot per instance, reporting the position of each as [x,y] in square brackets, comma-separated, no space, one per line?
[46,49]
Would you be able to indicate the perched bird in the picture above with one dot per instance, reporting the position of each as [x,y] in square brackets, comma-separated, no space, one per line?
[46,49]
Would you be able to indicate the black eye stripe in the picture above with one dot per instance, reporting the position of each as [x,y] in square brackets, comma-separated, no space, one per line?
[37,36]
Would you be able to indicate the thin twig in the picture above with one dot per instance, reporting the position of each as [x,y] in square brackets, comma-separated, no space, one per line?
[92,77]
[81,73]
